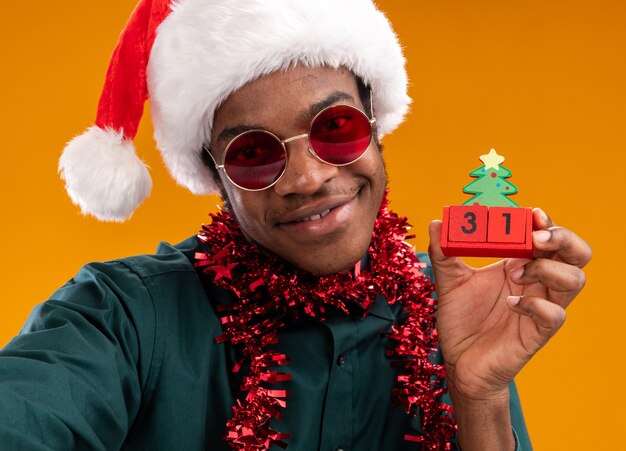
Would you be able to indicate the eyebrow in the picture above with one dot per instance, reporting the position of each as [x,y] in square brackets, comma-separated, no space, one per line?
[333,98]
[229,133]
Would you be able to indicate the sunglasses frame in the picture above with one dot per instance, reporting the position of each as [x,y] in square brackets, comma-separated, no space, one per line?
[282,142]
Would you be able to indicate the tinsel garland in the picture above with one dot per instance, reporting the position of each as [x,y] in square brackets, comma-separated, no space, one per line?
[271,291]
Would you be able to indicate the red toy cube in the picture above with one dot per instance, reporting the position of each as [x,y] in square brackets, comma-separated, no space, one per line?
[506,225]
[479,231]
[468,223]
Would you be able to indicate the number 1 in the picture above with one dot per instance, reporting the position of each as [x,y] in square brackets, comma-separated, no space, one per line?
[507,216]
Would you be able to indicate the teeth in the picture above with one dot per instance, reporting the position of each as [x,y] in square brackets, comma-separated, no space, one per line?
[314,217]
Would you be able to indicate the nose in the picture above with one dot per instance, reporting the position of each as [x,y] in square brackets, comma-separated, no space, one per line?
[305,173]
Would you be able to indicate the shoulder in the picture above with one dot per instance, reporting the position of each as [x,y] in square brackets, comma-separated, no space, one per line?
[143,300]
[137,286]
[168,261]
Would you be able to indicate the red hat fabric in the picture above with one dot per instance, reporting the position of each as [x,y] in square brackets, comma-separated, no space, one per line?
[102,172]
[187,56]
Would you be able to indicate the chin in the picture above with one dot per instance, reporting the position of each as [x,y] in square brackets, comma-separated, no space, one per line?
[332,268]
[336,263]
[327,270]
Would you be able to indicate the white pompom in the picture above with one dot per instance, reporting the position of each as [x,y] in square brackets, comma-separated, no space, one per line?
[103,174]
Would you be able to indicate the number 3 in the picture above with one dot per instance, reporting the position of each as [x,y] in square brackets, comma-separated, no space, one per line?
[471,220]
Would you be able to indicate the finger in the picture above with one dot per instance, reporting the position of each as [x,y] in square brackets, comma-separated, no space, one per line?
[541,220]
[514,263]
[434,247]
[445,267]
[562,281]
[547,316]
[563,244]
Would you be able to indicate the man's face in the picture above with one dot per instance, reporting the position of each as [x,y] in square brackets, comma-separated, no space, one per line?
[318,216]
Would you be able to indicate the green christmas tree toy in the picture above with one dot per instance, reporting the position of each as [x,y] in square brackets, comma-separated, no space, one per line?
[490,188]
[489,224]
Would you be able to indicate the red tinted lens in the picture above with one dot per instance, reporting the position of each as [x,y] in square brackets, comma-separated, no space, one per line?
[340,134]
[254,160]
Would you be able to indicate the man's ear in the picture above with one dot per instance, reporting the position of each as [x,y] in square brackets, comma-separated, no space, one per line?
[210,166]
[207,160]
[226,205]
[224,195]
[377,142]
[219,184]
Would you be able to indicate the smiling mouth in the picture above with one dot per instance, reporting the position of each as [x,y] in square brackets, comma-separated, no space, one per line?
[321,210]
[314,217]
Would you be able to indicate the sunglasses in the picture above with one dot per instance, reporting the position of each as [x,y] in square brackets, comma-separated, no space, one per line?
[257,159]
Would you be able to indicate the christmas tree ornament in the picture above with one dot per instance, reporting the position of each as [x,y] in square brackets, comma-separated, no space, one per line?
[187,56]
[489,224]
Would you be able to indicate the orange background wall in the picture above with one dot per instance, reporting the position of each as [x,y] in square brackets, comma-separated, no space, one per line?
[540,81]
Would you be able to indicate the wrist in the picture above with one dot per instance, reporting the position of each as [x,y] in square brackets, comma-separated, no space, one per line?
[477,389]
[484,423]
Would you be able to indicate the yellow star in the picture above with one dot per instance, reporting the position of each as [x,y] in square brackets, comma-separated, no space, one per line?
[492,159]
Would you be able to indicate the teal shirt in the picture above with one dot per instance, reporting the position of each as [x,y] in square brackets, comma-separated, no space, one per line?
[124,357]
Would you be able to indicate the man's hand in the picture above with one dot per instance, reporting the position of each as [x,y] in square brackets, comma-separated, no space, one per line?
[492,320]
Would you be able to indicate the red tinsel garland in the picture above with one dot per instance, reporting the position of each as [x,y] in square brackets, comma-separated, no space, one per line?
[271,291]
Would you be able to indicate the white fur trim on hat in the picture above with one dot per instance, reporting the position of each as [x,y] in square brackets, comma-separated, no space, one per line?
[206,49]
[103,174]
[188,56]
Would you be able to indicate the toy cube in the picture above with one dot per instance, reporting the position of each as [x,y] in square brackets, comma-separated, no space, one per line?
[480,231]
[506,225]
[468,223]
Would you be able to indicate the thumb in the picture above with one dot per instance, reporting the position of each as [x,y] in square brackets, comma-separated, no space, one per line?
[434,247]
[445,268]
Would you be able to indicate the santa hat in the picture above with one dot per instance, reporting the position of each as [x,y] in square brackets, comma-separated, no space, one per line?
[187,56]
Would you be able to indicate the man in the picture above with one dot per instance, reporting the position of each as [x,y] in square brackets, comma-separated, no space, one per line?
[276,295]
